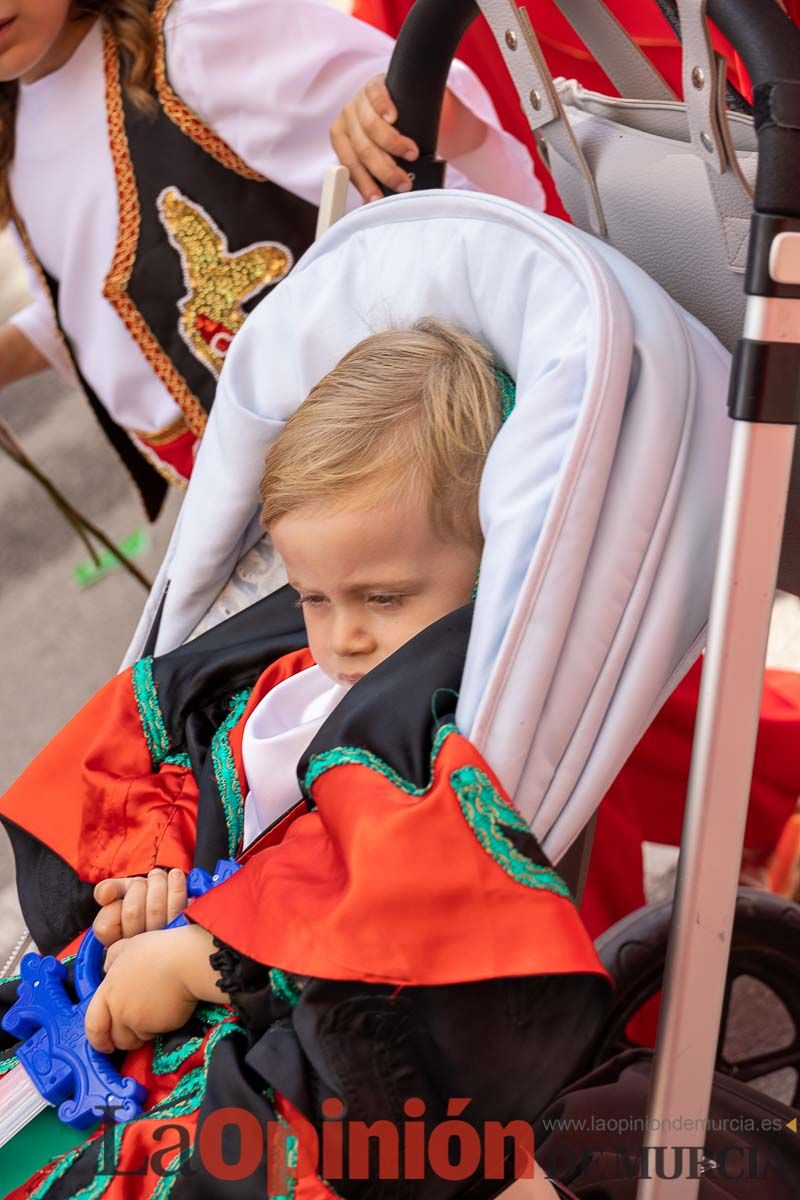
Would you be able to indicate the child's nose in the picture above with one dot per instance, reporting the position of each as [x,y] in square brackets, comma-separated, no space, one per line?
[351,636]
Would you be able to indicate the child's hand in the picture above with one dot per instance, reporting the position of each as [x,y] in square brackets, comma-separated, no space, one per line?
[136,905]
[152,985]
[365,141]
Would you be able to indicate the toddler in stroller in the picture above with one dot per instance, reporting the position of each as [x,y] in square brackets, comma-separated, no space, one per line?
[361,983]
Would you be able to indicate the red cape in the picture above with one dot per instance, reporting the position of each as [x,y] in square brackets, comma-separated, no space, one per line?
[381,881]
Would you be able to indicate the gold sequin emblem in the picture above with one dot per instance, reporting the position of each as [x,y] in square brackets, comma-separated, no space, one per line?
[217,282]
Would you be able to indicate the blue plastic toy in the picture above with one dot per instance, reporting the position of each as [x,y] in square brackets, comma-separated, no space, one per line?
[64,1068]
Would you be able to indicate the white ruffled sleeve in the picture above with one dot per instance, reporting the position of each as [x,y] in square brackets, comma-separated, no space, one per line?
[271,76]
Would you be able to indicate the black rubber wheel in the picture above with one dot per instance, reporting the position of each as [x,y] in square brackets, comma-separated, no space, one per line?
[765,947]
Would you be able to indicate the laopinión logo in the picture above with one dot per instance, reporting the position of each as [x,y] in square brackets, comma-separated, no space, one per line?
[232,1145]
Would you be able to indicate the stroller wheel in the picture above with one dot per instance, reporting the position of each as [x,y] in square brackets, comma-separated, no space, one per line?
[759,1040]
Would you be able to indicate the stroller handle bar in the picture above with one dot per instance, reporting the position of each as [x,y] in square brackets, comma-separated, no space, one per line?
[765,38]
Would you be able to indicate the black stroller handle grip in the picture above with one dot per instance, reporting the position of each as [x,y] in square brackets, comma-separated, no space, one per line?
[766,39]
[769,44]
[420,64]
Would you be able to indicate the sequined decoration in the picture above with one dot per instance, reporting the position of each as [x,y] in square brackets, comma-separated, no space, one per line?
[217,282]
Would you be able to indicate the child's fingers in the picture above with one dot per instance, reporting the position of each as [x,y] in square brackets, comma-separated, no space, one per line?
[379,97]
[361,180]
[97,1023]
[381,133]
[107,926]
[176,894]
[133,908]
[378,163]
[155,905]
[109,890]
[125,1038]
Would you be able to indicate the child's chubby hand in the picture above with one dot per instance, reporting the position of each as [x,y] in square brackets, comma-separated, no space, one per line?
[138,904]
[152,985]
[366,142]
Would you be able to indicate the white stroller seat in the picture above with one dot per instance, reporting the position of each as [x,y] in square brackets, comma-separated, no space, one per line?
[601,498]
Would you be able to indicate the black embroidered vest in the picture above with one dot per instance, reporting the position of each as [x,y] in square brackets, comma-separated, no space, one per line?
[202,237]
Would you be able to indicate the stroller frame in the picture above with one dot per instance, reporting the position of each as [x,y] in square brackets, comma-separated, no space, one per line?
[764,401]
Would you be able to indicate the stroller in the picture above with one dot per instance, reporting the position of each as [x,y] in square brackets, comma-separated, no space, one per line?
[602,503]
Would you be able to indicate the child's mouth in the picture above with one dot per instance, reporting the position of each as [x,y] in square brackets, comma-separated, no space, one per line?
[350,679]
[5,25]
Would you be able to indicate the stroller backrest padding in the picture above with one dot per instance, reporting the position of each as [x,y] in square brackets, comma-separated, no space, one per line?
[601,496]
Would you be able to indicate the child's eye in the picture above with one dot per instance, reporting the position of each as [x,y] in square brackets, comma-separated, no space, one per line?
[309,601]
[384,600]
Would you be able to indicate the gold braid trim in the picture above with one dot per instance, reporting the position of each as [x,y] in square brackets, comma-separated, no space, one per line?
[163,436]
[116,282]
[167,434]
[184,117]
[164,469]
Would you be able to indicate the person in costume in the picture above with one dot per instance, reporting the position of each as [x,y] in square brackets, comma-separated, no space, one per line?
[161,162]
[395,940]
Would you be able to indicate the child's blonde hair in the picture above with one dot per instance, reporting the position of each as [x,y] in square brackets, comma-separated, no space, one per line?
[405,412]
[131,25]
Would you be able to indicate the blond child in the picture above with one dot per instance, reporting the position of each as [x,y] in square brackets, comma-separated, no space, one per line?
[395,936]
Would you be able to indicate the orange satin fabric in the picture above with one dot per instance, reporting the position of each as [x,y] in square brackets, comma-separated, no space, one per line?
[91,795]
[364,888]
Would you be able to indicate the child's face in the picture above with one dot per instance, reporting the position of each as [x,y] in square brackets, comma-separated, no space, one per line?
[369,579]
[36,37]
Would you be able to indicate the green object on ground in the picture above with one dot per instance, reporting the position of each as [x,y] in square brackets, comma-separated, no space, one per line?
[88,573]
[44,1138]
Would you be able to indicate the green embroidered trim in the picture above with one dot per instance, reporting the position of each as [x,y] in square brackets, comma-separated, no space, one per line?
[230,789]
[488,814]
[144,691]
[343,755]
[284,986]
[172,1173]
[508,393]
[8,1064]
[166,1061]
[177,760]
[291,1160]
[152,718]
[211,1014]
[61,1167]
[185,1098]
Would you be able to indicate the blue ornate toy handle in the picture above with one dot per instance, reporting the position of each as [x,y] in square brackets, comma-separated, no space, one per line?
[65,1069]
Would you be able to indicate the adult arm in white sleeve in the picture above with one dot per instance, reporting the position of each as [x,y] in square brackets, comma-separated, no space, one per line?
[271,77]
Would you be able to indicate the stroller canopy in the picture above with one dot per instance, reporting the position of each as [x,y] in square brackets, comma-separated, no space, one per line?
[601,497]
